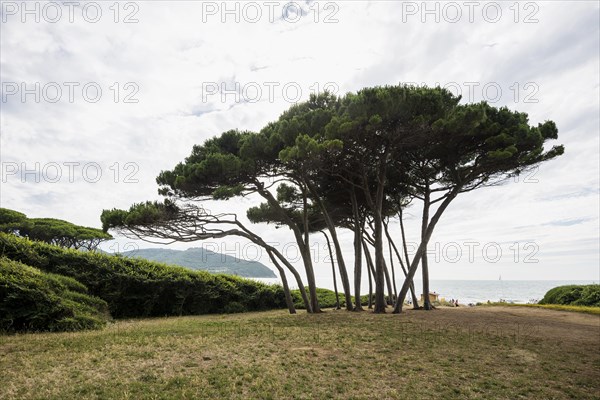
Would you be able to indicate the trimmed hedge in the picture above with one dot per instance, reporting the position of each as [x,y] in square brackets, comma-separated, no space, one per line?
[140,288]
[326,298]
[573,295]
[31,300]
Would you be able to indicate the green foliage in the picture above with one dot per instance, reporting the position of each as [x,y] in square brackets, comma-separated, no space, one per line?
[31,300]
[234,307]
[265,213]
[326,298]
[148,213]
[227,192]
[575,295]
[50,230]
[140,288]
[12,221]
[214,164]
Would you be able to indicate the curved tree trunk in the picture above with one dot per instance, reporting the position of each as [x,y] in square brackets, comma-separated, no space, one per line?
[337,297]
[415,262]
[336,245]
[376,206]
[310,272]
[393,270]
[412,284]
[301,240]
[310,278]
[388,282]
[370,270]
[294,271]
[286,289]
[273,252]
[386,274]
[399,257]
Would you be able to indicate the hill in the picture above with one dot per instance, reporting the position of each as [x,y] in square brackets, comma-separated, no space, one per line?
[200,258]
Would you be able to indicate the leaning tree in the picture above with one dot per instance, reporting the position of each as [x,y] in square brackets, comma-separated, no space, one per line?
[167,222]
[472,146]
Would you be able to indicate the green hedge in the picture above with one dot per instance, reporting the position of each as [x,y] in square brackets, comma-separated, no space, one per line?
[574,295]
[140,288]
[326,298]
[31,300]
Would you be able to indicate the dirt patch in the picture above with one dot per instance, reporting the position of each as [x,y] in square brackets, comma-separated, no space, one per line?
[545,324]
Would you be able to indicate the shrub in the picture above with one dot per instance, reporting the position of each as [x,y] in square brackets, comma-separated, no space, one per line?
[234,307]
[577,295]
[31,300]
[326,298]
[140,288]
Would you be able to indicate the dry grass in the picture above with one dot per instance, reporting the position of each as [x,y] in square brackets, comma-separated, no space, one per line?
[479,353]
[560,307]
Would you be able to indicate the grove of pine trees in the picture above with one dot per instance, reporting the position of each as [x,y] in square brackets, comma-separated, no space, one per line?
[352,162]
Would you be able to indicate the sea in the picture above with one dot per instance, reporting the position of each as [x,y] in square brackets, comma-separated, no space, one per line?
[481,291]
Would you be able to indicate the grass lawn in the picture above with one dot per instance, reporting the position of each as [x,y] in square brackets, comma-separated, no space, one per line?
[479,353]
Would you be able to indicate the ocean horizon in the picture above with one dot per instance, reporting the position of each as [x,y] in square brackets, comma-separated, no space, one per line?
[474,291]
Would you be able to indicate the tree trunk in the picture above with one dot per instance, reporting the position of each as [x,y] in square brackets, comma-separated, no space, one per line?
[415,262]
[399,257]
[310,272]
[370,299]
[388,282]
[310,278]
[286,289]
[424,264]
[370,270]
[294,272]
[379,257]
[301,240]
[336,244]
[337,297]
[273,252]
[357,251]
[393,271]
[412,284]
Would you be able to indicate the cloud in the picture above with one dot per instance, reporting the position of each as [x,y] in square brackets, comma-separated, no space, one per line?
[584,192]
[568,222]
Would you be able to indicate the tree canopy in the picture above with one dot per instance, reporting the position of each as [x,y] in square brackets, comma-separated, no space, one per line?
[51,230]
[349,162]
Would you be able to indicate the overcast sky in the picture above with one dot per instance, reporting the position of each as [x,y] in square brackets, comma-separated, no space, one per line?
[99,97]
